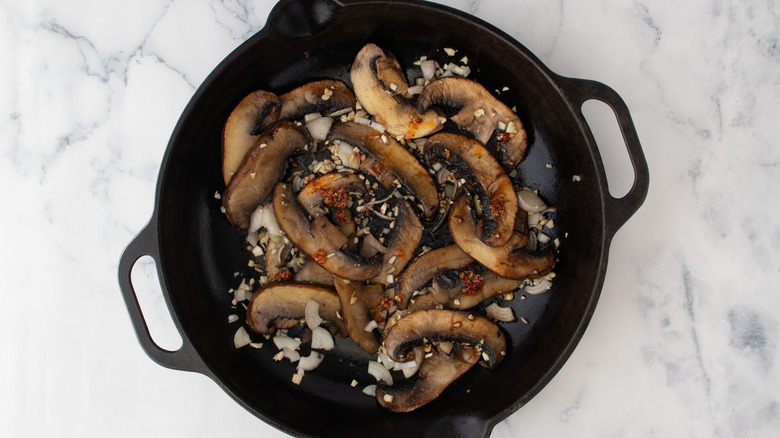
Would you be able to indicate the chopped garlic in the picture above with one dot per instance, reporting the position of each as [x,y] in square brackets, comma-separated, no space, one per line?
[449,51]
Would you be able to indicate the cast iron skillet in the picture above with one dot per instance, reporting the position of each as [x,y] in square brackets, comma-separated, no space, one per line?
[196,251]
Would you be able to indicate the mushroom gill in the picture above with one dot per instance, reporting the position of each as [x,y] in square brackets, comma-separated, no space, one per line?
[480,113]
[470,160]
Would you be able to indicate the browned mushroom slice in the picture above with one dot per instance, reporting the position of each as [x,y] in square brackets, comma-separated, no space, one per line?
[437,372]
[394,158]
[370,77]
[401,243]
[243,128]
[319,239]
[285,302]
[358,301]
[467,288]
[313,272]
[324,96]
[440,325]
[468,159]
[480,113]
[506,261]
[261,169]
[330,190]
[277,252]
[423,268]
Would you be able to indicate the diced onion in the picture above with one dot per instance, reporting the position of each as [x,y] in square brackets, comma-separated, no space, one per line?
[428,69]
[312,314]
[284,341]
[371,325]
[539,288]
[232,318]
[542,238]
[386,361]
[415,89]
[364,121]
[319,128]
[263,217]
[503,314]
[291,355]
[311,361]
[380,373]
[311,116]
[241,338]
[530,201]
[370,390]
[321,339]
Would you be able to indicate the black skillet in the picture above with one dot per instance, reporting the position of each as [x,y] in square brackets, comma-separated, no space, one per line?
[196,251]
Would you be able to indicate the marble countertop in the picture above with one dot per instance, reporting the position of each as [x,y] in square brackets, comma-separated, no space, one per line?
[684,341]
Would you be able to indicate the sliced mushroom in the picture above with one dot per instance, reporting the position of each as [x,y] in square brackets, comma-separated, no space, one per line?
[437,372]
[371,71]
[440,325]
[358,302]
[330,190]
[261,169]
[393,158]
[450,290]
[320,239]
[468,159]
[401,243]
[243,127]
[506,261]
[423,268]
[313,272]
[324,96]
[480,113]
[283,304]
[277,252]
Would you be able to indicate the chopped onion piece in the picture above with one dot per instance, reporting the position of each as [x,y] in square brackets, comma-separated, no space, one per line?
[311,361]
[321,339]
[386,361]
[241,338]
[415,90]
[446,347]
[311,116]
[263,217]
[370,390]
[371,326]
[312,314]
[291,355]
[284,341]
[376,125]
[319,128]
[539,288]
[503,314]
[232,318]
[428,69]
[530,201]
[542,238]
[380,373]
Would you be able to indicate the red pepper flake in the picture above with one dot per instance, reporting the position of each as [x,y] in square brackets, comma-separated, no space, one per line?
[457,218]
[497,208]
[446,153]
[504,137]
[341,216]
[472,282]
[283,275]
[337,197]
[377,316]
[293,163]
[320,256]
[399,252]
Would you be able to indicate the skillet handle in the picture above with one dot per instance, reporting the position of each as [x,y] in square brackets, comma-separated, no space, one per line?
[185,358]
[618,210]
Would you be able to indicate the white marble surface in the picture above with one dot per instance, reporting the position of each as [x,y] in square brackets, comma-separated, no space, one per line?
[684,341]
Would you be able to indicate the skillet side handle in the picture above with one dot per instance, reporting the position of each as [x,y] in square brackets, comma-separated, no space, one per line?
[619,210]
[185,358]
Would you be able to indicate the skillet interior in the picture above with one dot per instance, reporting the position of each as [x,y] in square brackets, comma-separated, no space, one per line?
[199,251]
